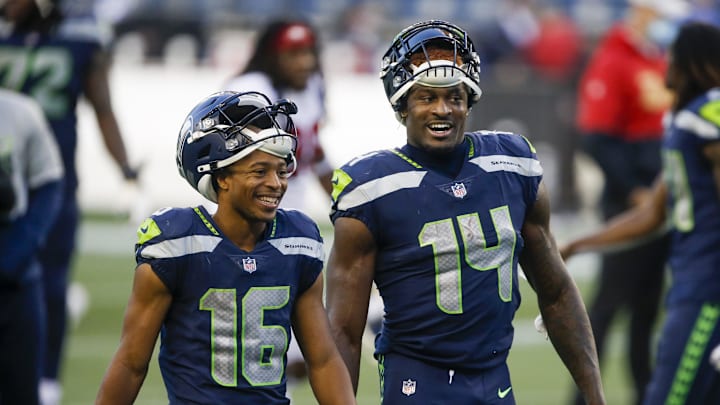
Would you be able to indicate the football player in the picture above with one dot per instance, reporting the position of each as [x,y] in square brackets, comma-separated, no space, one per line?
[56,61]
[688,196]
[441,224]
[30,157]
[225,289]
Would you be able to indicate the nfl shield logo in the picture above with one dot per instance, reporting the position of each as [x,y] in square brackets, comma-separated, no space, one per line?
[249,264]
[408,387]
[459,190]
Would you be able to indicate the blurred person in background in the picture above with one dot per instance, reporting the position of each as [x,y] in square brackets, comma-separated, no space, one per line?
[224,290]
[687,198]
[31,165]
[285,63]
[621,102]
[56,61]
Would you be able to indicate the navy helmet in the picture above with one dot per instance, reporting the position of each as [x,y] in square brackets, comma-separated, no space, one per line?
[227,126]
[399,74]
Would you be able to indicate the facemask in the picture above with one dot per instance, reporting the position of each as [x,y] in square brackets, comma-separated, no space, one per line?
[661,32]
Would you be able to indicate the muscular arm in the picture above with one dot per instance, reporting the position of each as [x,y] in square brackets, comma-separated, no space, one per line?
[712,153]
[560,302]
[148,304]
[637,223]
[97,91]
[329,377]
[350,272]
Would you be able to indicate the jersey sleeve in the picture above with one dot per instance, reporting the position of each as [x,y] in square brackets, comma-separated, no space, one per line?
[705,124]
[86,29]
[355,186]
[166,238]
[43,155]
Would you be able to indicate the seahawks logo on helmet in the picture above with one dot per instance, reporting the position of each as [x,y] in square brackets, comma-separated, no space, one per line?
[399,74]
[227,126]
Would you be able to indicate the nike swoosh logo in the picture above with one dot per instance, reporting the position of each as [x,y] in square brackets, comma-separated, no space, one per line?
[144,229]
[503,393]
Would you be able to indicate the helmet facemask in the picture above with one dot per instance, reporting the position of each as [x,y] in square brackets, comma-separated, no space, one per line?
[411,60]
[231,130]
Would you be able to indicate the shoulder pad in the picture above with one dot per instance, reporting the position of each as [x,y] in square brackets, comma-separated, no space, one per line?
[290,222]
[171,223]
[499,142]
[702,116]
[296,234]
[368,167]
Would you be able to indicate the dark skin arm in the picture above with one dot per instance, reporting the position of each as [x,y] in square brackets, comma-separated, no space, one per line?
[328,375]
[97,92]
[643,219]
[636,223]
[147,307]
[350,271]
[326,182]
[560,302]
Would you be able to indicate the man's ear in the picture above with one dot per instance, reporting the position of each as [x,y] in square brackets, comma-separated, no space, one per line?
[219,180]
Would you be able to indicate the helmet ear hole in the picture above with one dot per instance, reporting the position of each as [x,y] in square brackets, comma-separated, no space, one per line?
[204,152]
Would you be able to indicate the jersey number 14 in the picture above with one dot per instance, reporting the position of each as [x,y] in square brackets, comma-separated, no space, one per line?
[442,237]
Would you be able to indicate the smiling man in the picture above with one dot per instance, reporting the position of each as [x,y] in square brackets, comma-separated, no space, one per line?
[440,225]
[226,289]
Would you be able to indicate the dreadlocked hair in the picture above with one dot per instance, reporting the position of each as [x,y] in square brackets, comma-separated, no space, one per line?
[695,62]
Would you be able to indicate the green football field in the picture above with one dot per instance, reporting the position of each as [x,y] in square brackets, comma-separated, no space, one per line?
[539,378]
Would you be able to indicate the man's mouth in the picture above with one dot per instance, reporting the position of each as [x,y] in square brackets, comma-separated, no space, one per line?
[272,202]
[440,128]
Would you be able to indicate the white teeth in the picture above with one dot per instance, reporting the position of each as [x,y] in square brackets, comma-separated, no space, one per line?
[439,127]
[269,200]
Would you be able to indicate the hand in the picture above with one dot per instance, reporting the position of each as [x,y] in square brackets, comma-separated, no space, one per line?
[129,173]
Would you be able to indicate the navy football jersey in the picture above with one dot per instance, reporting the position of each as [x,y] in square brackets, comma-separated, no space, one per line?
[52,69]
[226,333]
[448,245]
[693,202]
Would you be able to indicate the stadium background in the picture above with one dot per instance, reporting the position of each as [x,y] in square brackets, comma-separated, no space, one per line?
[169,54]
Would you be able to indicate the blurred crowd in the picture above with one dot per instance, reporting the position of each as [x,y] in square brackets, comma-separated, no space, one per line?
[541,47]
[549,34]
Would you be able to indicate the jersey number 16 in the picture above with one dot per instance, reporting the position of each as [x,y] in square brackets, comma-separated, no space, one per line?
[262,346]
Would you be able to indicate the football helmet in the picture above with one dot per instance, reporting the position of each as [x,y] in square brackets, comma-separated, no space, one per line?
[227,126]
[399,74]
